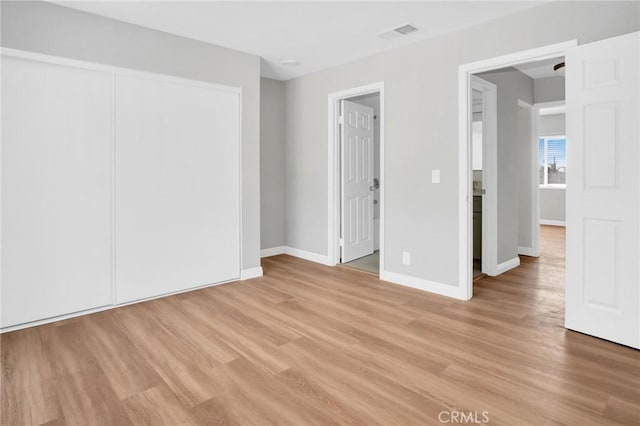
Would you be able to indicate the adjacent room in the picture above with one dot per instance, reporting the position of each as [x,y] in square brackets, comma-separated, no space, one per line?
[309,213]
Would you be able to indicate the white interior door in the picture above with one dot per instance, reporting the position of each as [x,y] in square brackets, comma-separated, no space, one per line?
[603,189]
[177,186]
[56,189]
[357,181]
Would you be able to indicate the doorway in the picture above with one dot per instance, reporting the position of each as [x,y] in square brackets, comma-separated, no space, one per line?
[526,156]
[467,75]
[601,292]
[356,178]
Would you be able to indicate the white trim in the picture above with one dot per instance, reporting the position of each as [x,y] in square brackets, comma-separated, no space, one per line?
[508,265]
[527,251]
[114,287]
[553,222]
[105,308]
[240,183]
[464,73]
[333,171]
[118,71]
[307,255]
[248,274]
[560,108]
[424,285]
[273,251]
[489,175]
[534,230]
[551,104]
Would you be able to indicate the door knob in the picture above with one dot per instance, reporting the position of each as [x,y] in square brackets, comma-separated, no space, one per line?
[376,184]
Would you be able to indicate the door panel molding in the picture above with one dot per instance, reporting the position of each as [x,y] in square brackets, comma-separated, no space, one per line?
[603,190]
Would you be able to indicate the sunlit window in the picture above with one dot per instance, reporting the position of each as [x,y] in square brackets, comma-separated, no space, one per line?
[552,161]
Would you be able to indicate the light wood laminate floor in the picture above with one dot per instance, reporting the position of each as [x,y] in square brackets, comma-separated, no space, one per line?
[309,344]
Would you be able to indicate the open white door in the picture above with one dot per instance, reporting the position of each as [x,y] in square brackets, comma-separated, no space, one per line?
[357,181]
[603,190]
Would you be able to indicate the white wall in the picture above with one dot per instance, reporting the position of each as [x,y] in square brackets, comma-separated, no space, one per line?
[60,31]
[272,170]
[421,90]
[514,182]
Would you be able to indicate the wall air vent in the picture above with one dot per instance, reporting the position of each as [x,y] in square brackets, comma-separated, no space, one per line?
[400,31]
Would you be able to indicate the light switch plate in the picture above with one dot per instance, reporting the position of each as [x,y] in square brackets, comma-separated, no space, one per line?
[406,258]
[435,176]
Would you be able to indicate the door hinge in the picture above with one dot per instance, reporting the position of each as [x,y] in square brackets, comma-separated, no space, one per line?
[341,242]
[341,119]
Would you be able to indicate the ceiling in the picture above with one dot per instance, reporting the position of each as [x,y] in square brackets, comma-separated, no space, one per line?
[317,34]
[541,69]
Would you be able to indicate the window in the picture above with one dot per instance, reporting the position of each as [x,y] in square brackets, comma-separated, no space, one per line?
[552,161]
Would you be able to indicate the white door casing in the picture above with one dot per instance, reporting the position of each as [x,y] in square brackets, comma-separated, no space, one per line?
[489,91]
[357,180]
[603,190]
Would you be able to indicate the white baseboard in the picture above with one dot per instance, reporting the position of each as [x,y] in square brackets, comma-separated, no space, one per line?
[553,222]
[526,251]
[307,255]
[273,251]
[424,285]
[302,254]
[247,274]
[508,265]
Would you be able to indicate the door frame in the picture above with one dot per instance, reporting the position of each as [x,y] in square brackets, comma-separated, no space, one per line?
[465,184]
[333,173]
[561,105]
[489,175]
[534,250]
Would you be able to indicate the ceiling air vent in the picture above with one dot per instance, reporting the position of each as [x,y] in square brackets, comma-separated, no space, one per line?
[400,31]
[406,29]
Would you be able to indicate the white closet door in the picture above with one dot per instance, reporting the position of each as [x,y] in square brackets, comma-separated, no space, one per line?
[56,190]
[177,186]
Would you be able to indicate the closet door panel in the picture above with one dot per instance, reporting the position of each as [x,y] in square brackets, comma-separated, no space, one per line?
[177,186]
[56,190]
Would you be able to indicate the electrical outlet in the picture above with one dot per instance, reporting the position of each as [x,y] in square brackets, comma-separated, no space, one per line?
[406,258]
[435,176]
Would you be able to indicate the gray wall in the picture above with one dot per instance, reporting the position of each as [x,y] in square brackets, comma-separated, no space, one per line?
[514,157]
[60,31]
[272,171]
[548,89]
[552,204]
[551,125]
[421,92]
